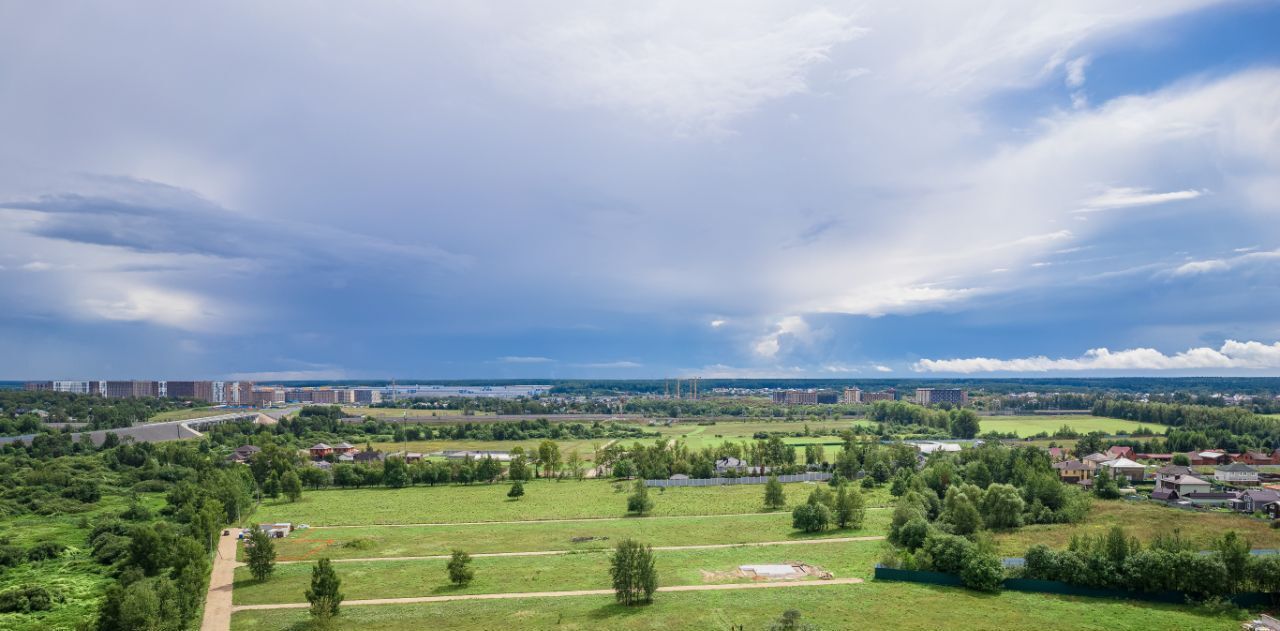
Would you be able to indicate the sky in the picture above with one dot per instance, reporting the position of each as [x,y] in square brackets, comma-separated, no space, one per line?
[300,190]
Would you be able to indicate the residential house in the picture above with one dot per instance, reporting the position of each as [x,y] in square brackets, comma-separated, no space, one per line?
[1096,459]
[1257,500]
[1156,457]
[320,450]
[1236,473]
[1256,458]
[729,463]
[345,447]
[1120,451]
[1212,457]
[1073,471]
[1217,499]
[1177,482]
[1058,454]
[243,453]
[368,456]
[1126,468]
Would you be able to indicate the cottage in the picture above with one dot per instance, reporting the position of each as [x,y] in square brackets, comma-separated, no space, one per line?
[320,450]
[1057,454]
[1212,457]
[1256,500]
[244,453]
[1126,468]
[1174,485]
[1166,476]
[368,456]
[1256,458]
[729,463]
[1096,459]
[1119,451]
[345,448]
[1236,473]
[1214,499]
[1073,471]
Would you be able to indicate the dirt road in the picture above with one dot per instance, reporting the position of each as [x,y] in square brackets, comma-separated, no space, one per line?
[580,592]
[217,605]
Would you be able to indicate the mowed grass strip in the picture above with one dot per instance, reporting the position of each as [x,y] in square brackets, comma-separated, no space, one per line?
[871,606]
[543,499]
[1024,426]
[583,570]
[402,541]
[1143,520]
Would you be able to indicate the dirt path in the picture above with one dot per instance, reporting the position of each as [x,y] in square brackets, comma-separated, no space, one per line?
[542,553]
[564,520]
[217,605]
[580,592]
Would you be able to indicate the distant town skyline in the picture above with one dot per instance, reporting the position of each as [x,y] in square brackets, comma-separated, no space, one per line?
[722,189]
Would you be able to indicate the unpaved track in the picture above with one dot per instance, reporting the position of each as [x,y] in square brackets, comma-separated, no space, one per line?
[565,520]
[217,605]
[543,553]
[580,592]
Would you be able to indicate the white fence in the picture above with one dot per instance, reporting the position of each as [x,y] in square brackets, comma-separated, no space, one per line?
[758,479]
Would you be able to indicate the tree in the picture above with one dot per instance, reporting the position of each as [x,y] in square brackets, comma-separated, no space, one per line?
[324,596]
[982,571]
[517,490]
[773,494]
[814,517]
[260,552]
[961,513]
[964,424]
[634,575]
[1002,506]
[271,488]
[291,485]
[576,466]
[549,457]
[1105,486]
[460,572]
[1090,443]
[395,473]
[790,621]
[850,507]
[1181,460]
[639,502]
[1234,553]
[315,478]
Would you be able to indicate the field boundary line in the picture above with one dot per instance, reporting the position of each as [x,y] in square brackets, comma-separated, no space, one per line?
[580,592]
[538,553]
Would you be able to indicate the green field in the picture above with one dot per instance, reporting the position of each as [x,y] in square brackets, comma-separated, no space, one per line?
[1143,520]
[585,448]
[581,570]
[1031,425]
[400,412]
[188,414]
[873,606]
[544,499]
[404,541]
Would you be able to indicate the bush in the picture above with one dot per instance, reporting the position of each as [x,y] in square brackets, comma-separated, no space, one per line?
[639,502]
[28,598]
[947,553]
[982,572]
[45,550]
[912,534]
[811,517]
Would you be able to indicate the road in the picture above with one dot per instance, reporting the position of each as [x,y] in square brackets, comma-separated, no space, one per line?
[217,605]
[162,431]
[579,592]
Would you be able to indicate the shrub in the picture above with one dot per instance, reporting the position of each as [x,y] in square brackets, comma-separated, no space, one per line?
[28,598]
[947,553]
[912,534]
[45,550]
[982,572]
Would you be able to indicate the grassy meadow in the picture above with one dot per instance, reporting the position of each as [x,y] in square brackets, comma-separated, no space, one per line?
[1025,426]
[405,541]
[544,499]
[872,606]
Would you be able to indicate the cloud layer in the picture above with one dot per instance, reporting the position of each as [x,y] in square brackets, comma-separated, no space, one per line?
[1232,355]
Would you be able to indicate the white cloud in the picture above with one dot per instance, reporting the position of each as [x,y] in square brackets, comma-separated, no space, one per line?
[717,323]
[166,307]
[323,374]
[36,266]
[1221,265]
[838,368]
[771,343]
[1075,71]
[1129,197]
[524,359]
[1232,355]
[883,368]
[610,365]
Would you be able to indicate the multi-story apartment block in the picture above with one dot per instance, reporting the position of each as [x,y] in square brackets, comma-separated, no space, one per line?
[887,395]
[930,396]
[200,390]
[136,388]
[368,396]
[852,395]
[266,397]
